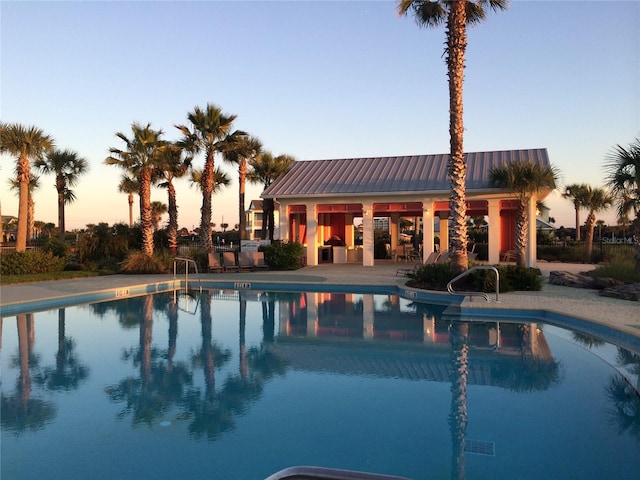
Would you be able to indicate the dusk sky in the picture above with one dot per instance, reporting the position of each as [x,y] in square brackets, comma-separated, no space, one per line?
[316,80]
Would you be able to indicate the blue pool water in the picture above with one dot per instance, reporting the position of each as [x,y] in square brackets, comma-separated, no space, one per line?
[238,385]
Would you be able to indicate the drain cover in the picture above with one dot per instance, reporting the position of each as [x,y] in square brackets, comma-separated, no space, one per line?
[480,448]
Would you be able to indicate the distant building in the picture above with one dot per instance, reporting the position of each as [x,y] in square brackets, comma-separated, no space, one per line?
[254,218]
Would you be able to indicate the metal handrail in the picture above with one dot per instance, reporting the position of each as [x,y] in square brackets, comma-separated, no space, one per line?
[476,294]
[187,261]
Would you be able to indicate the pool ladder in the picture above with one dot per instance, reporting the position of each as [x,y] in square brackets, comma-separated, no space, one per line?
[476,294]
[187,262]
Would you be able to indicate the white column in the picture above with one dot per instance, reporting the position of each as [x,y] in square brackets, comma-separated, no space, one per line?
[444,231]
[312,234]
[283,220]
[427,228]
[494,231]
[530,253]
[367,234]
[312,314]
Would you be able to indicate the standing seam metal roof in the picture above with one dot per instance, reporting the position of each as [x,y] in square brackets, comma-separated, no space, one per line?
[416,173]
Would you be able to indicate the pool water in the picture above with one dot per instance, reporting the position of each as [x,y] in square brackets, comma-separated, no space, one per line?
[238,385]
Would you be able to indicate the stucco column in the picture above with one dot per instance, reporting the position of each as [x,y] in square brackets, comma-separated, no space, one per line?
[283,220]
[530,253]
[494,231]
[312,234]
[444,231]
[427,228]
[394,227]
[367,234]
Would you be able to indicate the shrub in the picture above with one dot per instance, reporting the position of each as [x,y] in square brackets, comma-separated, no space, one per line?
[23,263]
[512,278]
[56,247]
[139,262]
[284,255]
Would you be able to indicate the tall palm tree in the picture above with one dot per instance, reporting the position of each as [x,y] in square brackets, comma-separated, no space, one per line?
[172,165]
[34,184]
[67,167]
[27,144]
[139,159]
[265,168]
[210,131]
[622,166]
[129,186]
[245,148]
[597,200]
[157,210]
[220,179]
[456,15]
[526,180]
[577,193]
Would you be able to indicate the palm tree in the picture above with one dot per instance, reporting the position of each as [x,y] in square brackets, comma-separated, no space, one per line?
[27,144]
[139,159]
[220,179]
[34,184]
[526,180]
[623,178]
[157,210]
[577,193]
[67,167]
[129,186]
[265,168]
[172,165]
[456,15]
[245,148]
[211,131]
[597,200]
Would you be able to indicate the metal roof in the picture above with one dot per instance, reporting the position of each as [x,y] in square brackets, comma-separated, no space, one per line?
[407,174]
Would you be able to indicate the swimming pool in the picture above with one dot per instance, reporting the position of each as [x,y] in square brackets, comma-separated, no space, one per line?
[239,384]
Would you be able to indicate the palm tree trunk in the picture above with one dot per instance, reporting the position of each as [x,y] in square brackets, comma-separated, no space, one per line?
[130,199]
[242,180]
[31,217]
[146,336]
[577,221]
[456,46]
[459,377]
[23,177]
[60,187]
[146,220]
[172,231]
[205,211]
[590,227]
[522,231]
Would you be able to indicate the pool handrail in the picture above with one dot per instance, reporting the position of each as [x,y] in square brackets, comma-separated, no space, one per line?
[187,262]
[322,473]
[476,294]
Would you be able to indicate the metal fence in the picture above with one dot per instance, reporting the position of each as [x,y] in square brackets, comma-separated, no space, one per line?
[576,251]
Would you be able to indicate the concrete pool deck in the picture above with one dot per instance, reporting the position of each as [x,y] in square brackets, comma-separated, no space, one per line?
[622,315]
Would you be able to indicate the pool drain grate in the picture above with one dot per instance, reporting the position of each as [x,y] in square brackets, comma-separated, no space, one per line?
[480,448]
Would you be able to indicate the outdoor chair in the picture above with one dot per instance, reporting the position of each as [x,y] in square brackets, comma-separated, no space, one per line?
[443,258]
[229,262]
[509,256]
[259,262]
[245,261]
[214,263]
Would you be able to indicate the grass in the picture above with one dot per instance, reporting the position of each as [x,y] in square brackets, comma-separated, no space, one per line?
[42,277]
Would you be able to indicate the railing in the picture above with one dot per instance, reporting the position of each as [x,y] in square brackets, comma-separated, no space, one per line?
[187,262]
[476,294]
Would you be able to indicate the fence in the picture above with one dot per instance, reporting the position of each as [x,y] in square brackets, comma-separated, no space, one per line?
[576,251]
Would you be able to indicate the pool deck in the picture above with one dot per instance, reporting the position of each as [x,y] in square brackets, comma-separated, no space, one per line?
[622,315]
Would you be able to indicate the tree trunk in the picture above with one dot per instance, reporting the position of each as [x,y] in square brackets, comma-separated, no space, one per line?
[146,220]
[60,187]
[24,177]
[577,221]
[456,46]
[590,227]
[31,218]
[172,230]
[242,180]
[205,211]
[130,199]
[522,231]
[459,337]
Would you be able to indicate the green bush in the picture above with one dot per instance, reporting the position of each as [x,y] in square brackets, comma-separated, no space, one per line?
[284,255]
[512,278]
[56,247]
[139,262]
[31,261]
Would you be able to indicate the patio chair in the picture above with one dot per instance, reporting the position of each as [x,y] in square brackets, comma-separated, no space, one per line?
[245,261]
[214,263]
[229,262]
[259,262]
[443,258]
[508,256]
